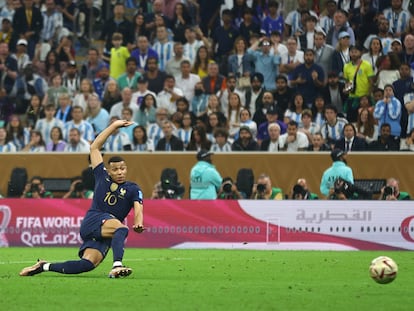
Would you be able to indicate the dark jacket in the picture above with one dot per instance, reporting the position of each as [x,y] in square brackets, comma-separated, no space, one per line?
[176,144]
[358,144]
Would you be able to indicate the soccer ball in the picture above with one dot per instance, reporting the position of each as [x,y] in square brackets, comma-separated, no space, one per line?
[383,270]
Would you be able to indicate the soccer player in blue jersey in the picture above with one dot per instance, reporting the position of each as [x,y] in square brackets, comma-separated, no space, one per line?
[102,227]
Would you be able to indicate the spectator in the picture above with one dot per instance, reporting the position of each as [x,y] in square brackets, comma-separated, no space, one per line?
[391,191]
[249,26]
[271,117]
[118,23]
[357,74]
[296,107]
[293,140]
[306,40]
[333,92]
[271,143]
[246,120]
[374,53]
[6,145]
[332,129]
[245,142]
[81,99]
[385,141]
[35,189]
[184,133]
[71,78]
[142,52]
[131,76]
[45,124]
[139,25]
[187,80]
[180,21]
[300,191]
[173,66]
[398,17]
[76,143]
[100,83]
[339,169]
[318,143]
[97,116]
[205,180]
[48,65]
[350,141]
[21,55]
[318,111]
[146,112]
[233,114]
[27,23]
[273,20]
[214,82]
[36,143]
[198,139]
[17,133]
[126,102]
[52,29]
[404,93]
[140,141]
[388,70]
[214,122]
[341,55]
[140,93]
[154,76]
[340,24]
[323,52]
[200,100]
[192,43]
[283,95]
[366,126]
[111,95]
[240,63]
[118,56]
[307,126]
[224,37]
[169,95]
[408,143]
[118,140]
[231,84]
[221,144]
[26,85]
[202,61]
[213,105]
[293,58]
[326,20]
[163,46]
[77,121]
[293,21]
[169,142]
[92,64]
[56,142]
[264,62]
[34,112]
[154,130]
[54,91]
[388,110]
[263,189]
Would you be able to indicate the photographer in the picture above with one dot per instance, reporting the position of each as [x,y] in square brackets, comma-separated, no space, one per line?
[35,189]
[168,187]
[263,189]
[300,191]
[78,190]
[339,169]
[391,191]
[228,190]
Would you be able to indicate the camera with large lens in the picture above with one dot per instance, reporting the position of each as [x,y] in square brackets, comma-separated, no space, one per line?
[299,193]
[79,187]
[227,186]
[388,190]
[261,188]
[34,188]
[171,190]
[341,186]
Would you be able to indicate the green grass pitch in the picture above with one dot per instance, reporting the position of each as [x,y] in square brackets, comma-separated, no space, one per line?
[167,279]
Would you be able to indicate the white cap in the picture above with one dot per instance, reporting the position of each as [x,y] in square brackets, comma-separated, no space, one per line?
[22,41]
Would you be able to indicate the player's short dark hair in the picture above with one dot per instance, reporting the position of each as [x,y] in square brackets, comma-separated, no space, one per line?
[115,159]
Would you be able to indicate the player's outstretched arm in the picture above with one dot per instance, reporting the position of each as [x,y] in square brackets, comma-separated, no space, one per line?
[95,151]
[138,217]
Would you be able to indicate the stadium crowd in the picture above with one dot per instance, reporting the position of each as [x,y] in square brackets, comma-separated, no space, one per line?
[228,75]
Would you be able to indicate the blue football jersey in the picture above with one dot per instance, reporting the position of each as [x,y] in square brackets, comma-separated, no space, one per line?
[110,197]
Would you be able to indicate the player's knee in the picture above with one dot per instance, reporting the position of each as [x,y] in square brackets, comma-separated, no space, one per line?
[122,231]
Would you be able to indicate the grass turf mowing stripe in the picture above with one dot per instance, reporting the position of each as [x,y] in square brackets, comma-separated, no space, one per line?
[209,280]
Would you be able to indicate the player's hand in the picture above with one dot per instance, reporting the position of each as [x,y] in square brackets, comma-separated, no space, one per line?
[122,123]
[138,228]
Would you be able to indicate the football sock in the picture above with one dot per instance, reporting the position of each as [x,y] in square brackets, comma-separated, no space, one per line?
[118,242]
[71,267]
